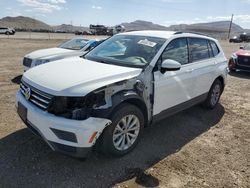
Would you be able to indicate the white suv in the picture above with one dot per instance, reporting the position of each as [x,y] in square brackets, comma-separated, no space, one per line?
[7,31]
[123,85]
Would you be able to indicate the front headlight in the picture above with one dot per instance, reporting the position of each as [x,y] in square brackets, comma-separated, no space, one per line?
[76,107]
[41,61]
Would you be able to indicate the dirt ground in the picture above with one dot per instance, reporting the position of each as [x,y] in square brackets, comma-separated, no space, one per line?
[194,148]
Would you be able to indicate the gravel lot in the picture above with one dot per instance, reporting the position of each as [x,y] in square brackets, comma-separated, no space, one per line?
[194,148]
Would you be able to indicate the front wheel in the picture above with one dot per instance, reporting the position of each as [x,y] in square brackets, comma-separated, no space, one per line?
[123,134]
[214,95]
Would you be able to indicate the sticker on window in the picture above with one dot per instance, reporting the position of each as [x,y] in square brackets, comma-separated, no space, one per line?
[146,42]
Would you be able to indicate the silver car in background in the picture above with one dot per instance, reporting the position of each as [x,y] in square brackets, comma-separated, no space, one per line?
[72,48]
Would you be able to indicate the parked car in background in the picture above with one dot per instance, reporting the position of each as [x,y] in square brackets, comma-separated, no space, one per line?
[83,33]
[73,47]
[240,59]
[245,37]
[235,39]
[126,83]
[7,31]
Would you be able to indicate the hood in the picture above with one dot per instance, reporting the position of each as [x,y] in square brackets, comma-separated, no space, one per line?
[40,54]
[76,76]
[243,52]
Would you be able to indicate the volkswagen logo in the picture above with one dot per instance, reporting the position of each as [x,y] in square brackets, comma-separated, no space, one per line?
[27,93]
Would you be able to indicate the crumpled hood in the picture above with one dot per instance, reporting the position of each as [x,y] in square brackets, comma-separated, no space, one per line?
[243,52]
[76,76]
[40,54]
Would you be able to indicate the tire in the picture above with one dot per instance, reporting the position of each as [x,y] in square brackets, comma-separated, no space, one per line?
[114,139]
[7,33]
[214,94]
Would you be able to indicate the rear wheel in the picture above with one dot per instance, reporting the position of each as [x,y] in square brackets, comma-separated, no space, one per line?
[7,33]
[214,94]
[125,131]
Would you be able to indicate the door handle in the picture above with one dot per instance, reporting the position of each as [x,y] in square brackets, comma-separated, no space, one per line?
[189,70]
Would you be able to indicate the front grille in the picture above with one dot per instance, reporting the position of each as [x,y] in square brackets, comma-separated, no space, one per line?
[27,62]
[244,61]
[38,98]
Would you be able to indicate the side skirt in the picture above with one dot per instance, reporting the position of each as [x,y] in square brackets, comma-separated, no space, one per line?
[180,107]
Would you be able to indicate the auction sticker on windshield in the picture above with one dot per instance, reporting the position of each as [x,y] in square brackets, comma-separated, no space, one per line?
[146,42]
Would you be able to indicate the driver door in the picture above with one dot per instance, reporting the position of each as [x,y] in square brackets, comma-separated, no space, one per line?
[173,87]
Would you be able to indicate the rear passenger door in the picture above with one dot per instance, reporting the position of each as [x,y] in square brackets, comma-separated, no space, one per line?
[202,64]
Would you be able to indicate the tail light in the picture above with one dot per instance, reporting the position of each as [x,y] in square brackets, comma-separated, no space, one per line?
[231,63]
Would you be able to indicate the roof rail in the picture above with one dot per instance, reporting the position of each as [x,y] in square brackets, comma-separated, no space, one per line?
[197,33]
[178,32]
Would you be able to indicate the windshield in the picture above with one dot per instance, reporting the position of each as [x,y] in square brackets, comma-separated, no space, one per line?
[247,47]
[127,50]
[74,44]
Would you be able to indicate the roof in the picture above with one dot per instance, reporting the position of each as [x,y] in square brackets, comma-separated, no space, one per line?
[166,34]
[152,33]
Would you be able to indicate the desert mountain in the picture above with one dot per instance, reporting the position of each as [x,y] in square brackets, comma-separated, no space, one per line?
[143,25]
[220,26]
[24,23]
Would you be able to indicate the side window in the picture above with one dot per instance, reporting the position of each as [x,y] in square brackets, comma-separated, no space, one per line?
[215,48]
[210,49]
[198,49]
[176,50]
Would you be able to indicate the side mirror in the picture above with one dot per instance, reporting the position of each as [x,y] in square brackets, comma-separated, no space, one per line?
[170,65]
[241,47]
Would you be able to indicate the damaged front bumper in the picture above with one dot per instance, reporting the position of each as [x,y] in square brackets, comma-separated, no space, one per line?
[72,137]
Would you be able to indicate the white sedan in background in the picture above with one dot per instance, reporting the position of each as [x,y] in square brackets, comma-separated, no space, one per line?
[74,47]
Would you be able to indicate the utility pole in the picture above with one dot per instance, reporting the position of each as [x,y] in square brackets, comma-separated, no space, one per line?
[230,27]
[71,23]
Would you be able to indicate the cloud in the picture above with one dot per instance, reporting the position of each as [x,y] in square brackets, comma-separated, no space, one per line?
[57,1]
[97,7]
[11,12]
[43,6]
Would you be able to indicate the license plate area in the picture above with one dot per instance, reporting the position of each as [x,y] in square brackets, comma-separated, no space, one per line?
[22,111]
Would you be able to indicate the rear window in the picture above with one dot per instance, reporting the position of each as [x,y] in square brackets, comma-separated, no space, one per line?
[198,49]
[215,48]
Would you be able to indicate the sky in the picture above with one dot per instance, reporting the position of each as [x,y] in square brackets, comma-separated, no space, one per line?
[112,12]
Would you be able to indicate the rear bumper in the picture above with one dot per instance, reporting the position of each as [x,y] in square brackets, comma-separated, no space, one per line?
[240,67]
[234,64]
[71,137]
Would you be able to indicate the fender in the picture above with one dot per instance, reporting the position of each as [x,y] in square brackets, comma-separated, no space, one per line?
[119,98]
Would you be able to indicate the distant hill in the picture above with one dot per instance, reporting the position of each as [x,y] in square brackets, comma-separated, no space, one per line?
[24,23]
[69,28]
[221,26]
[143,25]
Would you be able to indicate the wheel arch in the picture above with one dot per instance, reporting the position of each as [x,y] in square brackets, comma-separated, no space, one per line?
[131,98]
